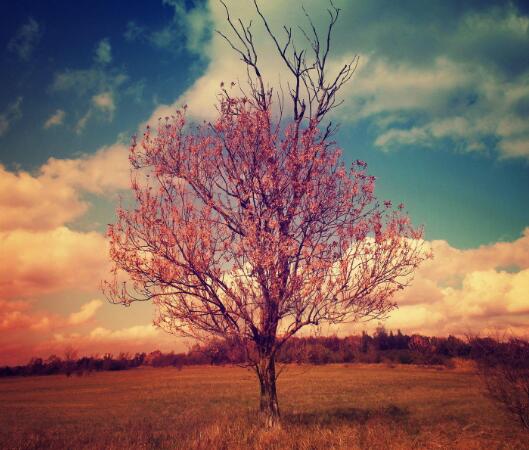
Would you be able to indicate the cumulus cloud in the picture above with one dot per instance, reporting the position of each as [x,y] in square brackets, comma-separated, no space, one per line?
[482,289]
[225,65]
[100,84]
[12,113]
[471,290]
[428,74]
[39,255]
[57,118]
[103,172]
[26,332]
[36,202]
[97,87]
[83,81]
[18,315]
[36,263]
[451,77]
[136,338]
[14,315]
[133,31]
[53,196]
[25,40]
[87,312]
[468,110]
[132,333]
[103,52]
[101,103]
[189,28]
[104,102]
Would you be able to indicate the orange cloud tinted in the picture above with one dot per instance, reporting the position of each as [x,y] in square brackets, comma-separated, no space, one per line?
[17,315]
[100,340]
[52,197]
[26,332]
[20,316]
[35,263]
[87,312]
[462,291]
[105,171]
[36,203]
[459,291]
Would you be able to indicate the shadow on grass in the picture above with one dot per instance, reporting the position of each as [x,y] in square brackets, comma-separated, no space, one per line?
[347,415]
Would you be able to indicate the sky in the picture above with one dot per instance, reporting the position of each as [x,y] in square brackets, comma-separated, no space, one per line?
[437,107]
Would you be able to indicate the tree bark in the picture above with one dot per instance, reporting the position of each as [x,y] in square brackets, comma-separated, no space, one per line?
[268,404]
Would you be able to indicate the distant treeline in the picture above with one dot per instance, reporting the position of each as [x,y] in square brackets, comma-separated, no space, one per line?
[381,347]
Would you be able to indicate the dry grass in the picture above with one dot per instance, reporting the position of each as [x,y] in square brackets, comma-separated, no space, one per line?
[345,407]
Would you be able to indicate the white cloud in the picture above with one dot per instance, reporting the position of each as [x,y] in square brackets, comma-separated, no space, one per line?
[57,118]
[126,334]
[105,102]
[381,86]
[225,65]
[103,52]
[189,27]
[460,90]
[52,196]
[409,102]
[25,40]
[87,312]
[458,98]
[102,105]
[36,202]
[12,113]
[101,84]
[25,334]
[133,31]
[82,81]
[492,113]
[38,254]
[14,314]
[402,137]
[103,172]
[81,123]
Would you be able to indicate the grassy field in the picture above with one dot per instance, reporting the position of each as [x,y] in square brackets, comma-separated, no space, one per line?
[336,406]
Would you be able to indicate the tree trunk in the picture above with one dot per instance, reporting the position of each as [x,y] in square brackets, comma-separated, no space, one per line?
[268,405]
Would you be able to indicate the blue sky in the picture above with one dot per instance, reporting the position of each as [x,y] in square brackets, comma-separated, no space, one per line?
[467,197]
[438,108]
[56,67]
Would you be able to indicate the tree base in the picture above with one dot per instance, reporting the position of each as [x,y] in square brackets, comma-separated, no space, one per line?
[269,421]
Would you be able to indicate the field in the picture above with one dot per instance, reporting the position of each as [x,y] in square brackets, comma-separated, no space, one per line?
[335,406]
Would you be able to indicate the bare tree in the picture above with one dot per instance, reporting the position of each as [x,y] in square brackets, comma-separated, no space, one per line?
[251,228]
[311,92]
[504,368]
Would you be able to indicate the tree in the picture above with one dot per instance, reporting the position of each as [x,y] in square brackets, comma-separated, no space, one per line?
[251,228]
[70,357]
[504,368]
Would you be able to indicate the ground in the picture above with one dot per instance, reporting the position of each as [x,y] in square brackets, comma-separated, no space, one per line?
[333,406]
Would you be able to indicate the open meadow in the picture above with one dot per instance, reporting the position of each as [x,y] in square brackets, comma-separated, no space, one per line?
[333,406]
